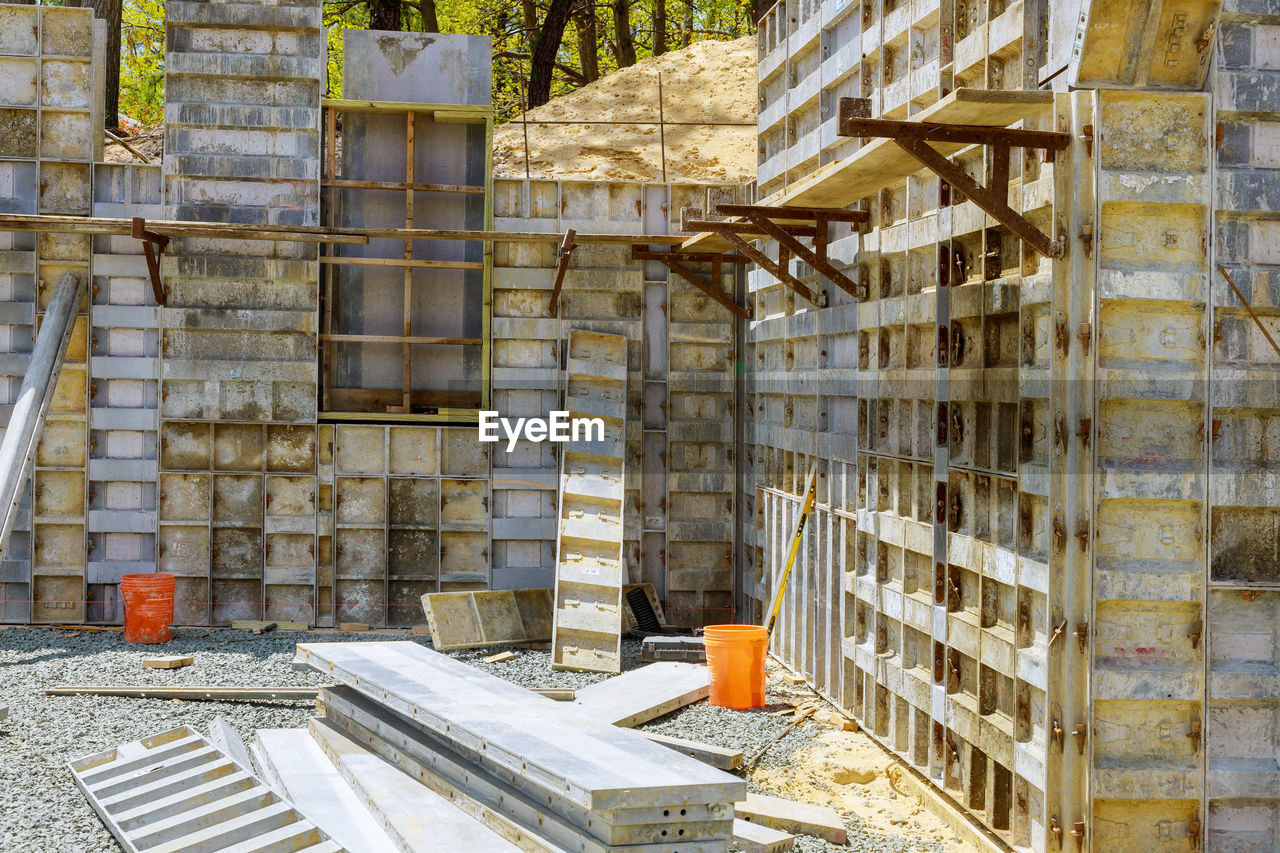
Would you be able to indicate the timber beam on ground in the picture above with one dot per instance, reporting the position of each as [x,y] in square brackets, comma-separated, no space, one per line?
[677,262]
[914,137]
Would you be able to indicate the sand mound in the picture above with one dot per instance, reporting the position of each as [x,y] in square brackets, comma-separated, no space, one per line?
[709,81]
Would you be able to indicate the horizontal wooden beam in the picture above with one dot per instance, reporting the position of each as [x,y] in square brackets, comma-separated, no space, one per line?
[745,229]
[638,254]
[347,261]
[454,112]
[955,133]
[176,228]
[780,213]
[400,339]
[346,184]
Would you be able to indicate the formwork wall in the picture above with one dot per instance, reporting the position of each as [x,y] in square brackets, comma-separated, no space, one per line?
[679,512]
[185,438]
[1044,546]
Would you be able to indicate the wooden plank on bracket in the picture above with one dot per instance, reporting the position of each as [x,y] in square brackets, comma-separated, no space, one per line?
[880,163]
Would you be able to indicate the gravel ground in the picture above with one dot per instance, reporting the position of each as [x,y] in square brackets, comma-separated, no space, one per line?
[41,810]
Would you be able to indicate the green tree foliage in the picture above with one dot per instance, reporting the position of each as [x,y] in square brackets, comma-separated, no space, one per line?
[600,37]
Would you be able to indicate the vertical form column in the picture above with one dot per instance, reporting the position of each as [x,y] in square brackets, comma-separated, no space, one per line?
[1071,394]
[1149,437]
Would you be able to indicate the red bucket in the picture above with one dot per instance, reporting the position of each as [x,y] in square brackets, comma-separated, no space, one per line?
[148,607]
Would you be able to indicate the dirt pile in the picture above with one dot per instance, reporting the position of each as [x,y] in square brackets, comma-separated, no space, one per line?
[709,81]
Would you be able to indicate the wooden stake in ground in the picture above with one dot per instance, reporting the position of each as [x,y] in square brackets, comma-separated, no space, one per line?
[168,662]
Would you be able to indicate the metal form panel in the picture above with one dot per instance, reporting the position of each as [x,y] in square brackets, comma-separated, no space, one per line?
[49,139]
[1149,487]
[1144,45]
[605,291]
[645,694]
[293,763]
[590,567]
[425,301]
[414,818]
[1242,716]
[239,329]
[174,791]
[124,393]
[464,620]
[401,529]
[536,819]
[919,596]
[590,763]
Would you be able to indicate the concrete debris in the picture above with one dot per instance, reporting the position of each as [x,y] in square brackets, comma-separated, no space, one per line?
[754,838]
[792,816]
[168,662]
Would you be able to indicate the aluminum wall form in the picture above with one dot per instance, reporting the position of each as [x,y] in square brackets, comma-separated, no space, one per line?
[590,571]
[605,291]
[1242,720]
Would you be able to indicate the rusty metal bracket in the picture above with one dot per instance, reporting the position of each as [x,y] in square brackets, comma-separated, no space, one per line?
[913,137]
[1081,734]
[678,261]
[1082,634]
[566,254]
[153,246]
[1245,302]
[770,221]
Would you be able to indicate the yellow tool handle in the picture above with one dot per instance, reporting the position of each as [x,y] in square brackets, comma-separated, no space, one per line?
[811,491]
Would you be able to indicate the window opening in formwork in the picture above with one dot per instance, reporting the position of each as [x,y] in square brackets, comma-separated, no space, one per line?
[405,319]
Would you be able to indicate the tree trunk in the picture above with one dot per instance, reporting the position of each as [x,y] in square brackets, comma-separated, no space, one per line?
[385,15]
[109,11]
[626,49]
[686,25]
[430,21]
[545,47]
[588,42]
[529,15]
[660,26]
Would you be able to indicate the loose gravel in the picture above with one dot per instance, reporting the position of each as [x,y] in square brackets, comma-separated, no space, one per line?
[42,811]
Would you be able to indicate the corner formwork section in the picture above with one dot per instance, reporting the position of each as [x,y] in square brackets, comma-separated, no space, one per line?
[1035,570]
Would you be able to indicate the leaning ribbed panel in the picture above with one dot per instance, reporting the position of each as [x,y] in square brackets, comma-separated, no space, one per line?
[587,634]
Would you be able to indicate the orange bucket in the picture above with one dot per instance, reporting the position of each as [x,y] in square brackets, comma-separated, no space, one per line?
[148,607]
[735,657]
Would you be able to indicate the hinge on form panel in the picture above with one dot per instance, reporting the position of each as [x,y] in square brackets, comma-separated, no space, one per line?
[1081,734]
[1195,632]
[1082,634]
[1083,432]
[1193,733]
